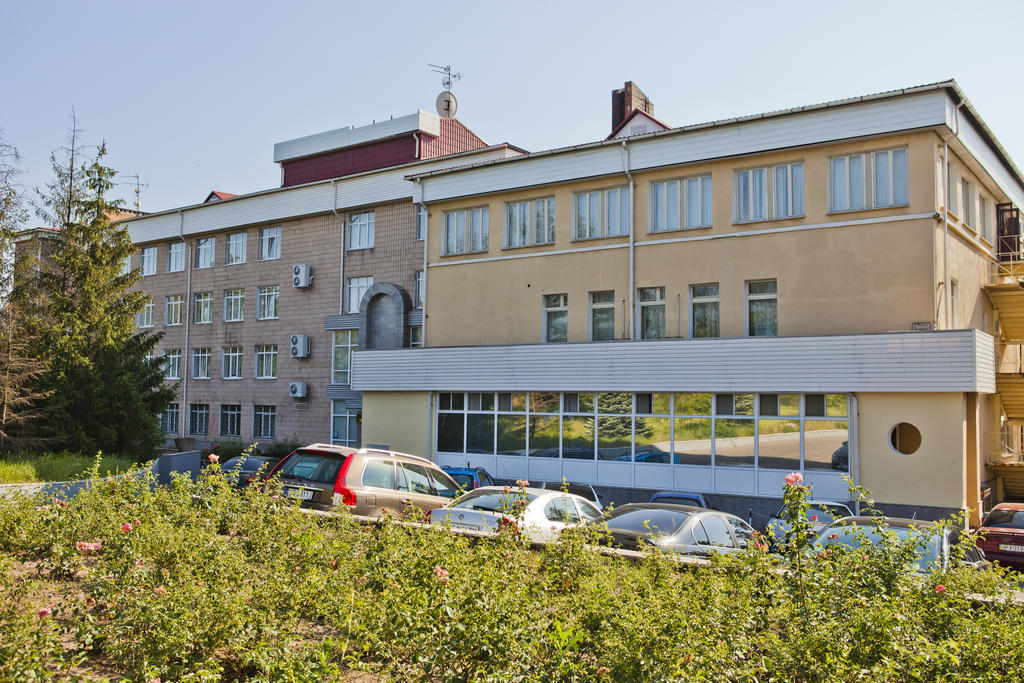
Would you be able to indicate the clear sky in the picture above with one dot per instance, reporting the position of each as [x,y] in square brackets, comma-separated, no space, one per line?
[192,96]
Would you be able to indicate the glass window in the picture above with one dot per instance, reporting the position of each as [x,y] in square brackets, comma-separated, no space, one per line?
[267,303]
[344,342]
[172,364]
[266,361]
[199,418]
[264,422]
[653,439]
[175,257]
[415,336]
[652,312]
[144,318]
[419,289]
[457,224]
[692,404]
[357,287]
[544,433]
[541,402]
[762,308]
[479,434]
[601,213]
[201,363]
[234,252]
[203,312]
[205,252]
[379,474]
[602,316]
[444,486]
[848,183]
[826,445]
[417,478]
[562,509]
[556,317]
[691,442]
[511,438]
[751,195]
[789,190]
[169,419]
[270,243]
[421,222]
[734,442]
[360,230]
[231,362]
[743,532]
[172,309]
[778,444]
[717,531]
[344,424]
[234,305]
[231,420]
[890,177]
[149,261]
[578,438]
[528,223]
[704,310]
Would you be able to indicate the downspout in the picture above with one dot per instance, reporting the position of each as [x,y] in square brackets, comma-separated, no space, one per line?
[183,365]
[948,308]
[632,245]
[416,137]
[852,439]
[334,208]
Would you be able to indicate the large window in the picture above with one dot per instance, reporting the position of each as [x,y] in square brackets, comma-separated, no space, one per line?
[267,302]
[231,362]
[357,287]
[231,420]
[360,230]
[203,310]
[465,232]
[344,424]
[783,432]
[652,312]
[679,204]
[556,317]
[704,310]
[884,172]
[264,422]
[176,257]
[266,361]
[966,202]
[172,364]
[601,213]
[205,252]
[144,317]
[762,308]
[149,261]
[530,222]
[201,363]
[270,243]
[234,251]
[788,190]
[199,418]
[234,305]
[169,419]
[172,309]
[345,342]
[769,192]
[602,316]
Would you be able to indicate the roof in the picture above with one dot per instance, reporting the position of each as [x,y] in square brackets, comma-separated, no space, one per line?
[217,195]
[632,115]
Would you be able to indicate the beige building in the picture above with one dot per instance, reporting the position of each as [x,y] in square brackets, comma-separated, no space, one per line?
[828,289]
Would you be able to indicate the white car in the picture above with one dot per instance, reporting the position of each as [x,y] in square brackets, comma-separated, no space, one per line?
[544,513]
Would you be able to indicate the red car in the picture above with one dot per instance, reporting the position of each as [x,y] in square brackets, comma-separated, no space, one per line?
[1001,536]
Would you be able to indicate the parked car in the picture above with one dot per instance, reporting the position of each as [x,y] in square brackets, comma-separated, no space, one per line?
[582,490]
[1001,536]
[545,513]
[820,514]
[684,529]
[368,481]
[696,500]
[841,457]
[469,478]
[248,466]
[937,542]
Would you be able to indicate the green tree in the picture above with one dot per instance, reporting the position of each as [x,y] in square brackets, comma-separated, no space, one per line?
[107,388]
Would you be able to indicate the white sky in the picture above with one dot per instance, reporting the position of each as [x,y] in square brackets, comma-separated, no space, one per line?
[193,95]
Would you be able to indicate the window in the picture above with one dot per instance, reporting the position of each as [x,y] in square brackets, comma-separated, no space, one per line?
[169,419]
[849,180]
[234,304]
[602,316]
[890,167]
[767,193]
[966,202]
[145,316]
[762,308]
[751,195]
[234,252]
[984,207]
[601,213]
[172,364]
[848,183]
[231,362]
[199,418]
[149,261]
[652,312]
[264,419]
[556,317]
[231,420]
[530,222]
[203,308]
[360,230]
[419,290]
[266,361]
[270,243]
[201,363]
[704,310]
[678,204]
[176,257]
[465,232]
[344,424]
[126,267]
[172,309]
[267,300]
[205,251]
[357,287]
[415,336]
[345,342]
[789,190]
[421,222]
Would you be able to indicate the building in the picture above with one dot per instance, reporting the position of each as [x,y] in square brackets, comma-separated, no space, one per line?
[829,289]
[262,297]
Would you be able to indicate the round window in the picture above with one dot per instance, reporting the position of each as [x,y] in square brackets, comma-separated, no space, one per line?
[905,438]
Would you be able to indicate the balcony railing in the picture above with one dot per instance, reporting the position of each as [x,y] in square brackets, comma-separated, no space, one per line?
[1009,262]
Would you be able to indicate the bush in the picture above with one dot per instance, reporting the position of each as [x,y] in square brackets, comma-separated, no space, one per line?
[279,449]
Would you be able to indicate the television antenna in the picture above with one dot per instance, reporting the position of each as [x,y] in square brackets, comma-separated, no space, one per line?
[446,102]
[138,190]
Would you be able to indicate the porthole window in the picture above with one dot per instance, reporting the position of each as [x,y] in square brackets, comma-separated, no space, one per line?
[905,438]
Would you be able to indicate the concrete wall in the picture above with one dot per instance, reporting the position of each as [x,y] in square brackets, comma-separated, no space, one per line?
[400,420]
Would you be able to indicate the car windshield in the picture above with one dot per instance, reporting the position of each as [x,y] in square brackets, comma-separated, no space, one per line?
[491,501]
[463,480]
[1006,519]
[322,468]
[650,519]
[928,551]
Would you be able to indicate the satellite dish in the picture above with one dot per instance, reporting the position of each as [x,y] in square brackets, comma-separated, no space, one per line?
[446,105]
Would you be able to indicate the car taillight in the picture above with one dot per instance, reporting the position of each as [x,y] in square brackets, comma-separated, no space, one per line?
[476,484]
[342,494]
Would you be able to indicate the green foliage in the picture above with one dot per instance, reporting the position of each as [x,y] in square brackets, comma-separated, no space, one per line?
[281,448]
[208,583]
[27,467]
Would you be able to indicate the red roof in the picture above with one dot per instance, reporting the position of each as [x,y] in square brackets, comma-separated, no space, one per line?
[216,195]
[630,117]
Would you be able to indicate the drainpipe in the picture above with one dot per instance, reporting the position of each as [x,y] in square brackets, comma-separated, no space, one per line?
[334,208]
[183,366]
[948,307]
[416,137]
[632,246]
[852,439]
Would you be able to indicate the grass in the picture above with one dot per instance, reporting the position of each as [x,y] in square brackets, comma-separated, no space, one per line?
[28,468]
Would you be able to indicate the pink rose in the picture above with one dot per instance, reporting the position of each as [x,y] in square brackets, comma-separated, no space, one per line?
[794,478]
[523,483]
[126,527]
[84,547]
[940,588]
[214,458]
[442,575]
[45,612]
[814,518]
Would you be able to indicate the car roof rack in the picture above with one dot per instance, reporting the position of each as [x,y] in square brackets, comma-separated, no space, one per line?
[381,451]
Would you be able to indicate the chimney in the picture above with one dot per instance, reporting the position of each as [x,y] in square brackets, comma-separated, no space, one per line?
[625,100]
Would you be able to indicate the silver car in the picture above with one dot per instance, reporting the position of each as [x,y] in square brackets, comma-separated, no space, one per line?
[544,514]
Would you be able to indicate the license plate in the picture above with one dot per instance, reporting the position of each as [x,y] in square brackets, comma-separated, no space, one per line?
[1011,548]
[301,494]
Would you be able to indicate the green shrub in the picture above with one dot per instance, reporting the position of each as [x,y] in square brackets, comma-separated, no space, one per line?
[279,449]
[19,468]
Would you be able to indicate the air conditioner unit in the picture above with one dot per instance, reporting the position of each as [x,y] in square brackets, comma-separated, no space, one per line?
[300,345]
[297,389]
[302,275]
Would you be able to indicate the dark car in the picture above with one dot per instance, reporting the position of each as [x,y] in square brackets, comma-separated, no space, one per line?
[683,529]
[469,478]
[841,457]
[246,467]
[1001,536]
[680,498]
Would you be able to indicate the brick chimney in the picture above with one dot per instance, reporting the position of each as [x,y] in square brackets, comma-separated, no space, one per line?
[625,100]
